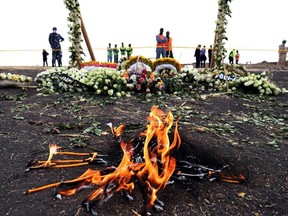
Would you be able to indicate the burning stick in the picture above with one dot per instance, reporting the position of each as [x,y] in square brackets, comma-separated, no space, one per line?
[53,150]
[117,132]
[88,174]
[202,171]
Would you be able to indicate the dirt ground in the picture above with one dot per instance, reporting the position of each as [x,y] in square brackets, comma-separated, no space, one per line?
[245,132]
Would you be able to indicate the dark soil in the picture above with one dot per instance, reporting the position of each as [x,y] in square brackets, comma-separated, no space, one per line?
[248,133]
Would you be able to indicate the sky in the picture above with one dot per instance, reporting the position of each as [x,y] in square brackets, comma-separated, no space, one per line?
[256,27]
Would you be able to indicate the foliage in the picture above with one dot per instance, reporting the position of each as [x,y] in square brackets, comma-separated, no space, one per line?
[60,80]
[259,84]
[117,83]
[15,77]
[219,51]
[75,33]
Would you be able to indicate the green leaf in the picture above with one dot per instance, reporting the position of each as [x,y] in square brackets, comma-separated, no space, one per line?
[18,117]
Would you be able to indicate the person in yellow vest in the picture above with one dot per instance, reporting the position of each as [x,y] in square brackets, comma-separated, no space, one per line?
[122,52]
[282,55]
[116,53]
[234,53]
[169,52]
[160,46]
[129,51]
[109,53]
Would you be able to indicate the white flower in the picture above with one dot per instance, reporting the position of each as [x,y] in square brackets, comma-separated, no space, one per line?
[3,76]
[118,94]
[111,92]
[133,77]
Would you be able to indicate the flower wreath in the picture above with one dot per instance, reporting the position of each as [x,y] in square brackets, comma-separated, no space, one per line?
[167,65]
[134,60]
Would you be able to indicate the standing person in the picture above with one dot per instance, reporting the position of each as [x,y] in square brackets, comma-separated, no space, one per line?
[59,59]
[210,51]
[129,51]
[282,55]
[54,40]
[109,53]
[44,55]
[203,57]
[231,58]
[197,55]
[116,53]
[233,54]
[160,46]
[169,52]
[237,57]
[123,52]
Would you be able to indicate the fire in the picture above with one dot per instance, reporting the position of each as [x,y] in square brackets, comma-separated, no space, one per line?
[153,171]
[159,163]
[148,159]
[54,150]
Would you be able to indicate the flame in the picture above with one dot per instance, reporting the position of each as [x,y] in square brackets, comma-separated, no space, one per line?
[159,164]
[153,173]
[116,131]
[53,150]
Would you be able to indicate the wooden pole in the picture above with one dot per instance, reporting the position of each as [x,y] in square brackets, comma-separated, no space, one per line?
[86,38]
[212,59]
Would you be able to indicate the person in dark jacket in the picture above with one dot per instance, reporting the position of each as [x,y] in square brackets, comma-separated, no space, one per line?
[54,40]
[197,55]
[210,51]
[203,57]
[45,54]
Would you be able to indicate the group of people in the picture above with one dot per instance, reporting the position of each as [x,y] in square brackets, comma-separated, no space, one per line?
[125,52]
[164,45]
[234,55]
[200,55]
[54,40]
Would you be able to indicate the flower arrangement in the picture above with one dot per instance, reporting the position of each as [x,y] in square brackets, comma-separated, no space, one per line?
[117,83]
[219,51]
[256,83]
[15,77]
[141,81]
[75,33]
[101,81]
[168,63]
[134,61]
[106,81]
[60,79]
[217,80]
[99,64]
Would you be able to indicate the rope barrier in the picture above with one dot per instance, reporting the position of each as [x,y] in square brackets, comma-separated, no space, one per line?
[145,47]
